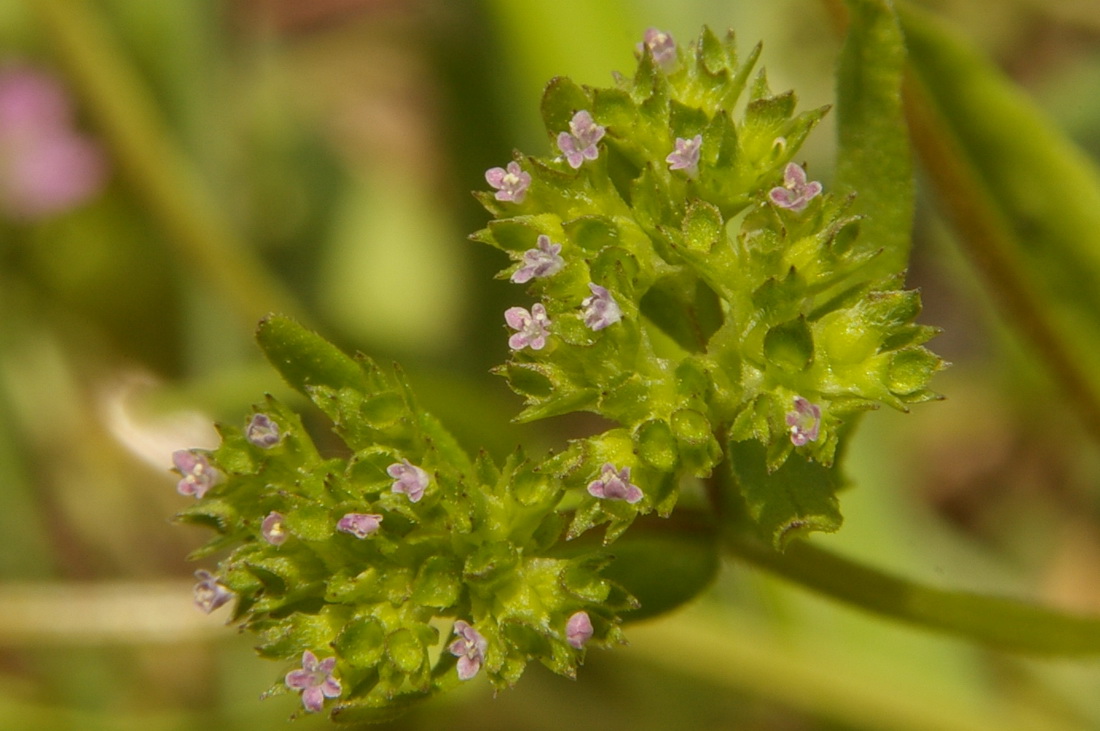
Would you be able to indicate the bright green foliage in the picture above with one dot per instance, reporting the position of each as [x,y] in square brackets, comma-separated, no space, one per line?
[477,546]
[733,305]
[694,286]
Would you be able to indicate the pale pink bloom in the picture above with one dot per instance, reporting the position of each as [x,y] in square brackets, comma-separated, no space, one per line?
[469,648]
[600,310]
[804,421]
[359,525]
[315,681]
[209,592]
[197,473]
[532,328]
[408,479]
[543,261]
[795,193]
[579,144]
[614,484]
[578,630]
[511,183]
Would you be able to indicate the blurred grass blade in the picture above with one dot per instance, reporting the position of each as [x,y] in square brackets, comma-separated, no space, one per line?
[1023,199]
[158,172]
[873,159]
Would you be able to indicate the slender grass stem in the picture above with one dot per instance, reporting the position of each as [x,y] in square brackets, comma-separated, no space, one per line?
[157,171]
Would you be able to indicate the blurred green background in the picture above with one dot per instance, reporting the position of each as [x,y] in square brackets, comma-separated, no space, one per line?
[316,157]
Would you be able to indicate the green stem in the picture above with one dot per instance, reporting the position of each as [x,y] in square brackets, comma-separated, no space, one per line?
[158,172]
[1002,623]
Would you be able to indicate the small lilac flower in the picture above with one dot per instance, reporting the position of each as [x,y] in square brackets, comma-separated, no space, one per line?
[532,328]
[359,525]
[578,630]
[408,479]
[804,421]
[795,193]
[315,681]
[263,432]
[46,166]
[274,529]
[686,155]
[209,593]
[469,648]
[615,485]
[511,183]
[198,475]
[581,144]
[600,310]
[661,47]
[543,261]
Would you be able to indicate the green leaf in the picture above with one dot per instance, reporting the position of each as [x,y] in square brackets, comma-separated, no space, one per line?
[662,570]
[791,502]
[304,358]
[873,158]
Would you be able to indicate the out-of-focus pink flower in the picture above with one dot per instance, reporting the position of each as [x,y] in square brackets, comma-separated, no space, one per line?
[46,166]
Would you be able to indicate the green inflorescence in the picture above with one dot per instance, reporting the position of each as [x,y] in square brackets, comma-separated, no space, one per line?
[745,333]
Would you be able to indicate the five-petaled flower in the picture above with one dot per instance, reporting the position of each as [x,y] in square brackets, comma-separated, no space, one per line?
[262,431]
[511,182]
[359,525]
[804,421]
[469,648]
[408,479]
[273,528]
[661,47]
[197,472]
[578,630]
[209,593]
[686,155]
[600,310]
[315,681]
[795,193]
[532,328]
[581,144]
[614,484]
[543,261]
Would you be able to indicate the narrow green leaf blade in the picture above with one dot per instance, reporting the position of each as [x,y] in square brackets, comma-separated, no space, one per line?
[873,159]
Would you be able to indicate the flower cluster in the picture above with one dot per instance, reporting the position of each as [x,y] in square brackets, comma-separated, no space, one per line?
[694,286]
[345,566]
[690,284]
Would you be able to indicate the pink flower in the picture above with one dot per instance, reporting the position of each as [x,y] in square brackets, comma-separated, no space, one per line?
[661,47]
[469,648]
[408,479]
[359,525]
[209,593]
[198,475]
[532,327]
[262,431]
[581,144]
[686,155]
[273,529]
[796,193]
[578,630]
[614,484]
[804,421]
[543,261]
[511,183]
[600,310]
[46,166]
[315,681]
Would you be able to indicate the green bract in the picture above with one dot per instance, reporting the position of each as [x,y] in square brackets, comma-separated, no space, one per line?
[692,285]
